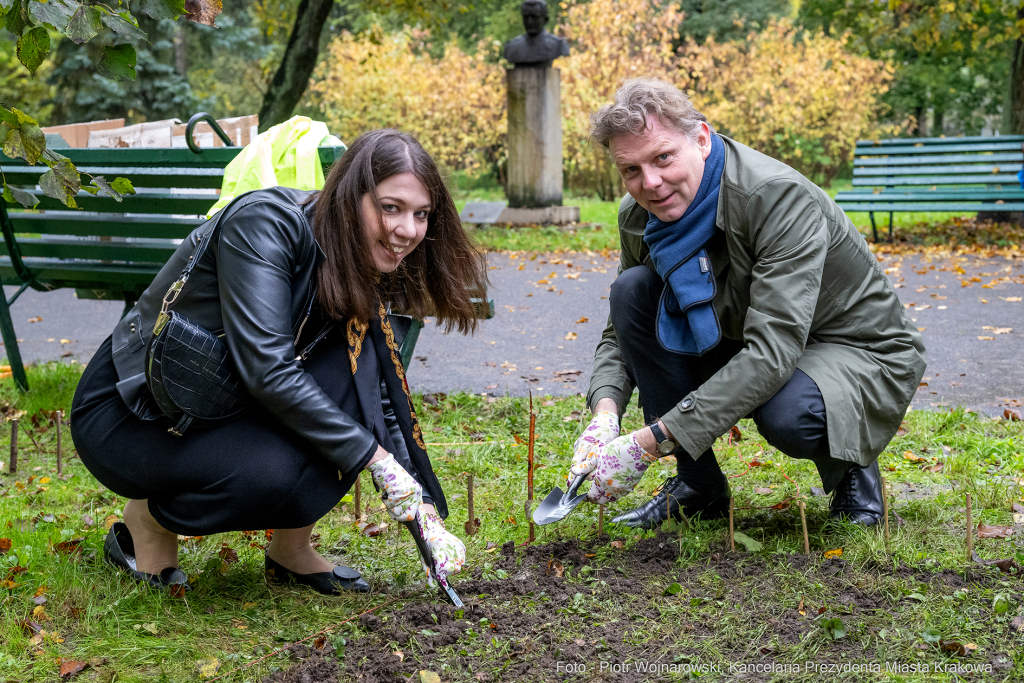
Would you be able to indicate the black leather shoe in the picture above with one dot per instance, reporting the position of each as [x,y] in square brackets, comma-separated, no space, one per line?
[119,550]
[709,504]
[858,498]
[341,580]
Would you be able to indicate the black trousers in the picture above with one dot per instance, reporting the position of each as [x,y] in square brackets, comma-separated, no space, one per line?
[251,473]
[793,420]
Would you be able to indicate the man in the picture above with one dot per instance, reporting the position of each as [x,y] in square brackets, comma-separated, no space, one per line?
[743,290]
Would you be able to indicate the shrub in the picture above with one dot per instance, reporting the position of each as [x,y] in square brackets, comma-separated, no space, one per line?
[798,97]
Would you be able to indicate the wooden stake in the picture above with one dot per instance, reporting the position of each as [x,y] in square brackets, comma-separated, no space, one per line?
[470,523]
[359,499]
[13,469]
[732,539]
[885,511]
[970,532]
[60,427]
[803,523]
[529,468]
[600,521]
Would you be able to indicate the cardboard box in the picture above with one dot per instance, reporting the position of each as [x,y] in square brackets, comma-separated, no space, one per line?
[77,134]
[149,134]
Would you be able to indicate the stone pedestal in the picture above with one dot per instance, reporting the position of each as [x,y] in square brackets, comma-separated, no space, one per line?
[534,137]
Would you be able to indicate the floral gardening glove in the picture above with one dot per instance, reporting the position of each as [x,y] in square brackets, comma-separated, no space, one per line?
[401,493]
[591,443]
[619,469]
[448,551]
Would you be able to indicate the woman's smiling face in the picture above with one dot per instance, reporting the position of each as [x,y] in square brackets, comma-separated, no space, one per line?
[404,203]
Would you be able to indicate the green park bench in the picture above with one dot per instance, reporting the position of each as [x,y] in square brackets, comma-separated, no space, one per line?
[959,174]
[52,247]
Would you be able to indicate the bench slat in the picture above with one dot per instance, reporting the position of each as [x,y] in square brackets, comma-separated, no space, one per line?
[83,275]
[932,195]
[162,177]
[939,207]
[1000,158]
[957,140]
[141,202]
[139,252]
[951,169]
[987,179]
[88,224]
[939,149]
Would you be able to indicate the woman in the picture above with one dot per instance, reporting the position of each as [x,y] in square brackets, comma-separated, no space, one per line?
[297,282]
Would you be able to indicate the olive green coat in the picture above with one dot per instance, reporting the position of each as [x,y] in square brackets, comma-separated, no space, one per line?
[798,284]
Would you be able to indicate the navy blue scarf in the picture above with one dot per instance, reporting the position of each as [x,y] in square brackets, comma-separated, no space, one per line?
[687,322]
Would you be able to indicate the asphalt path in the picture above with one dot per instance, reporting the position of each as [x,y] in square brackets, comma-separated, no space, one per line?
[551,309]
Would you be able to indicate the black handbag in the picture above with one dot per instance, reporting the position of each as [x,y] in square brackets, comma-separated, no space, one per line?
[188,369]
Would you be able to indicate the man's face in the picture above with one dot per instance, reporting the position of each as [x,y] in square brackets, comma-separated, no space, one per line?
[535,16]
[661,168]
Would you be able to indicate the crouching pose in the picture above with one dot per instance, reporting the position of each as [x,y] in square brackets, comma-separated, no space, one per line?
[743,291]
[299,284]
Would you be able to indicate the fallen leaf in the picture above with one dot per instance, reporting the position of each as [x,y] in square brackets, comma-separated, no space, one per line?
[152,628]
[763,491]
[832,554]
[750,544]
[618,544]
[983,338]
[784,505]
[909,455]
[735,434]
[177,591]
[571,336]
[371,530]
[87,520]
[39,613]
[998,330]
[207,667]
[491,386]
[109,521]
[400,655]
[70,667]
[1012,415]
[70,547]
[1018,624]
[994,530]
[429,677]
[1011,298]
[5,545]
[554,567]
[673,589]
[818,491]
[35,319]
[583,319]
[937,467]
[229,555]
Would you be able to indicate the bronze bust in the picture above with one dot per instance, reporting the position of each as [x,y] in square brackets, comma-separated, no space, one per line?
[536,47]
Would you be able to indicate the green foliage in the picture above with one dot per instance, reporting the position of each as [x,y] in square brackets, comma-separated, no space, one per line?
[728,19]
[33,47]
[951,57]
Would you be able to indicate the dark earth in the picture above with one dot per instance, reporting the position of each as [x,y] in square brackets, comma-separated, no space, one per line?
[530,624]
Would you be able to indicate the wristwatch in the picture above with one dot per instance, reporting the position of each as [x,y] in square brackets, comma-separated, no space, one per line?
[665,444]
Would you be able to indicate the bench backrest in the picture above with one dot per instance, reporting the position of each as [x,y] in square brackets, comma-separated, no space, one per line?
[175,188]
[927,162]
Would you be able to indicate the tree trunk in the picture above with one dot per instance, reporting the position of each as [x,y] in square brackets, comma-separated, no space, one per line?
[1017,84]
[297,65]
[921,124]
[180,53]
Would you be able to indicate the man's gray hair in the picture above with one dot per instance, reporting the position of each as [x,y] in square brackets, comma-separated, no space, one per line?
[642,97]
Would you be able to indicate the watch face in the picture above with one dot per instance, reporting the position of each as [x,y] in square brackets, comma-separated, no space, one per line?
[666,447]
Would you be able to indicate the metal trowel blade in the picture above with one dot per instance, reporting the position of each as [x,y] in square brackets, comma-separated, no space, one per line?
[557,505]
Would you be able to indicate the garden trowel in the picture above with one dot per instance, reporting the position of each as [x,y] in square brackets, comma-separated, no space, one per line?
[447,592]
[558,505]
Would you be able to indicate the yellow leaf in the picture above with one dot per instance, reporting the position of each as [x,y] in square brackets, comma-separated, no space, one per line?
[571,336]
[207,667]
[429,677]
[44,480]
[832,554]
[909,455]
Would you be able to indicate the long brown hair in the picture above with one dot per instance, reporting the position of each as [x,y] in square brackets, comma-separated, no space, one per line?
[438,278]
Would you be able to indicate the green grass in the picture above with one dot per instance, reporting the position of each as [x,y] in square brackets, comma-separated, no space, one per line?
[92,612]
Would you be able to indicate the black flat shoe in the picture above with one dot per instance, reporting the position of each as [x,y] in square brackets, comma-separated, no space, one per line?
[858,498]
[709,504]
[342,580]
[119,550]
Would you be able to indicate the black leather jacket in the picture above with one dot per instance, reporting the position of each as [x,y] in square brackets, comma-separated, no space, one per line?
[255,283]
